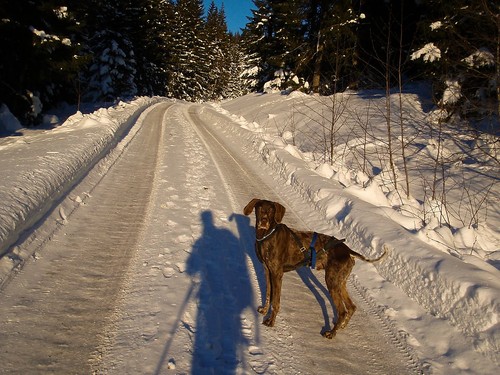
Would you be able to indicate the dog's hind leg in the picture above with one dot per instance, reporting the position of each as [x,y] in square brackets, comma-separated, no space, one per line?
[343,276]
[334,287]
[350,306]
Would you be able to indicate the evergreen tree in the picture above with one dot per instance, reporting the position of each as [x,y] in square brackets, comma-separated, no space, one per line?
[300,38]
[112,70]
[459,51]
[150,36]
[292,30]
[259,39]
[218,53]
[186,67]
[37,64]
[106,49]
[328,54]
[238,83]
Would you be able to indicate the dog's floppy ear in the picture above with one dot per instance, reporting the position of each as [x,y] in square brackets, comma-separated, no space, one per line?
[249,207]
[280,212]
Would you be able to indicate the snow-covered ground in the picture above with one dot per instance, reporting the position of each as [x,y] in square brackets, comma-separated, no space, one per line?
[40,166]
[443,252]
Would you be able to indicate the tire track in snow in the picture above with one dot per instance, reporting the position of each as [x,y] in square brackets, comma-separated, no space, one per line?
[54,312]
[375,357]
[174,286]
[397,338]
[239,186]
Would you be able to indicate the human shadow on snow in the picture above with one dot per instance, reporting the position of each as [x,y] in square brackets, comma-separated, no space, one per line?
[218,265]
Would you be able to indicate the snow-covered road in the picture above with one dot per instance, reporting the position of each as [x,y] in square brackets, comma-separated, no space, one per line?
[56,310]
[156,274]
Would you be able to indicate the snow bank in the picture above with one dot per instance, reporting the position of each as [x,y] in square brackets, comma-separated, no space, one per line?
[443,284]
[38,170]
[464,293]
[8,122]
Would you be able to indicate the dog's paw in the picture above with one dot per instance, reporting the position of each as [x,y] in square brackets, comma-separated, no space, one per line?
[268,322]
[329,334]
[262,310]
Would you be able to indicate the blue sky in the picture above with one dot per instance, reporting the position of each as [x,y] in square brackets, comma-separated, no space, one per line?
[236,12]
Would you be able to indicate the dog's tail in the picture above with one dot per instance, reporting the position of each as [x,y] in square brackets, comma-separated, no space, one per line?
[335,241]
[365,259]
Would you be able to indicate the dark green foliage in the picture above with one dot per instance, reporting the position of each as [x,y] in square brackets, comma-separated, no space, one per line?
[56,50]
[327,46]
[467,33]
[102,50]
[187,74]
[37,59]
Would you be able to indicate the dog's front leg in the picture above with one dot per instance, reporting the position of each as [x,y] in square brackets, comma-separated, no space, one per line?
[276,280]
[264,309]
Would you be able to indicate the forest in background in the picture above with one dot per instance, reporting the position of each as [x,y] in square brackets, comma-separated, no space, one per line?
[328,46]
[100,50]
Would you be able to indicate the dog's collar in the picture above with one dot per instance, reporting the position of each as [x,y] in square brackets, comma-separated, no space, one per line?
[267,235]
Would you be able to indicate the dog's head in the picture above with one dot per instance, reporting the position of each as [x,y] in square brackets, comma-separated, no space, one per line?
[267,213]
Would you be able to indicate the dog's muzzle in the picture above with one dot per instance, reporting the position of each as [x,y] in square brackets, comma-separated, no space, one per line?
[263,223]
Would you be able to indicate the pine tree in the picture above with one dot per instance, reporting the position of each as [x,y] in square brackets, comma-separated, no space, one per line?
[150,35]
[238,83]
[37,67]
[327,56]
[259,39]
[292,29]
[186,67]
[303,38]
[112,70]
[459,50]
[217,41]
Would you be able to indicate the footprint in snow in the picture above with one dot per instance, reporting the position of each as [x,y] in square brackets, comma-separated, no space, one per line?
[168,205]
[181,267]
[149,333]
[171,223]
[262,367]
[76,199]
[183,238]
[64,218]
[168,272]
[255,350]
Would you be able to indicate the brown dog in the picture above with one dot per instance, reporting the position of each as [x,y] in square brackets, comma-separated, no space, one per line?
[281,249]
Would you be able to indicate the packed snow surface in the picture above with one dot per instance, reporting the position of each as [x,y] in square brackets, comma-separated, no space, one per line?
[440,283]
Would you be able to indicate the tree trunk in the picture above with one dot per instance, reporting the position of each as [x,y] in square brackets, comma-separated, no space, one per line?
[317,65]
